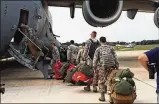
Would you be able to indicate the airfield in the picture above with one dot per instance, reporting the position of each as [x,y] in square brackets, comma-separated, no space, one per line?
[26,86]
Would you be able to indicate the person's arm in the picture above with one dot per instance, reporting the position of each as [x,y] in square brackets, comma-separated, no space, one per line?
[115,56]
[57,54]
[86,49]
[143,59]
[96,58]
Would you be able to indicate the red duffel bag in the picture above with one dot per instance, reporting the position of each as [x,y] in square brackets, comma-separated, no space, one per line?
[71,66]
[56,70]
[79,76]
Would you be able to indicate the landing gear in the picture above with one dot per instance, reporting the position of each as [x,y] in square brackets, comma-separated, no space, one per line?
[156,17]
[2,90]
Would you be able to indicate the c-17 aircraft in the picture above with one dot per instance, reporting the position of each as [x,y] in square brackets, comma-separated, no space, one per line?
[29,23]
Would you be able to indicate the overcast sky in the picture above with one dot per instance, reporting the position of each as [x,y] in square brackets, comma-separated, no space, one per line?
[141,28]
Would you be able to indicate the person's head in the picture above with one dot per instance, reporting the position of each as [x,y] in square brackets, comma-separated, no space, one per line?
[102,40]
[72,42]
[93,34]
[83,44]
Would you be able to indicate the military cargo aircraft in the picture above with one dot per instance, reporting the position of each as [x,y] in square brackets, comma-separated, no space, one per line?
[29,23]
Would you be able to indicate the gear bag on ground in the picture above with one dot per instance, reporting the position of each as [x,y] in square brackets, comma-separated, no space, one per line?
[86,69]
[121,86]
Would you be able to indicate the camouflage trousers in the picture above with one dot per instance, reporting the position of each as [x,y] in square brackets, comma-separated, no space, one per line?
[103,74]
[95,77]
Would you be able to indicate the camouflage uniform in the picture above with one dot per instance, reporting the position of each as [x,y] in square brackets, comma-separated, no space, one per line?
[79,58]
[55,55]
[104,71]
[90,61]
[72,53]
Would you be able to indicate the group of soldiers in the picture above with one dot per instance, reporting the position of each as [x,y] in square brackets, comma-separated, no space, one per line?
[92,52]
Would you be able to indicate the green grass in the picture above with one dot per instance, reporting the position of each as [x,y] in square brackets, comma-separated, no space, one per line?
[137,47]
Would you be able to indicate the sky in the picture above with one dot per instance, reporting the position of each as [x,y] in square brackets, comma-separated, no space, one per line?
[124,29]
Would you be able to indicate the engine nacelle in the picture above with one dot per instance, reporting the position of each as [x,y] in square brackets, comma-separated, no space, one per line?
[101,13]
[156,17]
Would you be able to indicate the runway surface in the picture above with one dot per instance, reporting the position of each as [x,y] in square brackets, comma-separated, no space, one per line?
[26,86]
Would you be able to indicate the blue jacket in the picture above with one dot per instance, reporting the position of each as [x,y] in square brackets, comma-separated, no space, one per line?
[153,57]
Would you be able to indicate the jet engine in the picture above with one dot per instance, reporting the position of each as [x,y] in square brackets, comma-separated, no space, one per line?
[101,13]
[156,17]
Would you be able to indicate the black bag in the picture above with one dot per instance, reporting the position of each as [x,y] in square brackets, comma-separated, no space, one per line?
[93,47]
[63,55]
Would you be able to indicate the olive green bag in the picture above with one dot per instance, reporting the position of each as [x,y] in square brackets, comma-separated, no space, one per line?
[86,69]
[63,69]
[124,85]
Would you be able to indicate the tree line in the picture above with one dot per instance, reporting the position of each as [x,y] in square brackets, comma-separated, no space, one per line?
[143,42]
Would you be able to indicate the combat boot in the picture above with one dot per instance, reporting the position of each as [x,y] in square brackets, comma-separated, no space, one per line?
[94,88]
[105,89]
[87,88]
[102,98]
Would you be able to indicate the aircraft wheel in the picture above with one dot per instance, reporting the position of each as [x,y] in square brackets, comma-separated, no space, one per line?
[156,17]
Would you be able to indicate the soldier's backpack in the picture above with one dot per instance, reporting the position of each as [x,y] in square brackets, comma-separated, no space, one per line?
[93,47]
[63,69]
[124,84]
[63,55]
[86,69]
[107,56]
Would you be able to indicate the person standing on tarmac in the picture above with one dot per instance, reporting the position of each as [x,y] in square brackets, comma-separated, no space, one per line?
[80,55]
[55,54]
[72,53]
[89,50]
[151,57]
[106,59]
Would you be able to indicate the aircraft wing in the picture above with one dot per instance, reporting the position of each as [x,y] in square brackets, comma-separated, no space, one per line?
[64,3]
[141,5]
[101,13]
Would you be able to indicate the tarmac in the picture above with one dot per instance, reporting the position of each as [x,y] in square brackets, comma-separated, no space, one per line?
[26,86]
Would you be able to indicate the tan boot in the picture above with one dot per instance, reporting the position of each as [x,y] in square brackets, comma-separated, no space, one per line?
[87,88]
[102,98]
[94,88]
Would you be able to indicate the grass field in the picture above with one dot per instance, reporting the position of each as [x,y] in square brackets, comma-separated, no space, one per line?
[137,47]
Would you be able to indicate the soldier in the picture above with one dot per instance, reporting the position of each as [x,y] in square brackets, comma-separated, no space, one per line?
[80,54]
[107,59]
[55,54]
[89,50]
[72,53]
